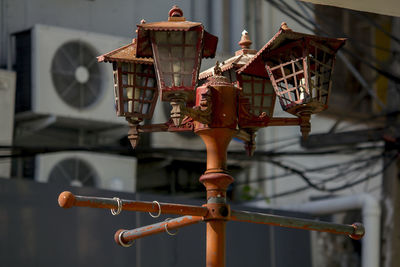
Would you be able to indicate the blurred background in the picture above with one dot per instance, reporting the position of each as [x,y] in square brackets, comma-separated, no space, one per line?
[59,132]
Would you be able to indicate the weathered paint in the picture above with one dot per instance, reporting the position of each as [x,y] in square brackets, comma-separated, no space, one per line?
[67,200]
[130,235]
[355,231]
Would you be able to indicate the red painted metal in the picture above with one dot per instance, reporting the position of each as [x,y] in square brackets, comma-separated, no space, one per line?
[126,53]
[216,249]
[355,231]
[224,103]
[67,200]
[130,235]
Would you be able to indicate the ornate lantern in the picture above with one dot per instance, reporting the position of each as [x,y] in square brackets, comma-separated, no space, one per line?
[300,67]
[216,118]
[300,70]
[257,99]
[135,87]
[177,47]
[256,94]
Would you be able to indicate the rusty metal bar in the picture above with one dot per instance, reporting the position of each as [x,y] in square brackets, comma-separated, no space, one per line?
[284,122]
[127,236]
[67,200]
[355,231]
[216,247]
[159,127]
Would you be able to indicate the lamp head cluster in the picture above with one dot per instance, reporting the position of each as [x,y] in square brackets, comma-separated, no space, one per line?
[164,60]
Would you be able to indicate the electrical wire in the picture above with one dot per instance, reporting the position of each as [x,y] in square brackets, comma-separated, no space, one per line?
[332,190]
[317,186]
[350,53]
[24,151]
[333,22]
[361,59]
[376,25]
[345,170]
[275,141]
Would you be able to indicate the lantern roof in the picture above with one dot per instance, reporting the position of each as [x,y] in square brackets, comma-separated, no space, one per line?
[241,58]
[235,62]
[126,53]
[176,22]
[178,25]
[284,36]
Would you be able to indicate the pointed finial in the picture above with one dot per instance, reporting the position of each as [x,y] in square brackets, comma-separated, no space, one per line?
[217,69]
[143,21]
[285,27]
[175,12]
[245,41]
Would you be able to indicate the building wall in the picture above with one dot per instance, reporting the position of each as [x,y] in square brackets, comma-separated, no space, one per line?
[7,93]
[121,16]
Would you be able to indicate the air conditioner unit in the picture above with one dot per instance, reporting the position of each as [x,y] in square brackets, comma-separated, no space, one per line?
[110,172]
[179,140]
[58,73]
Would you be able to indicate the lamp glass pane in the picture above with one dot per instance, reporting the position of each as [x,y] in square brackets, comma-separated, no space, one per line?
[286,71]
[260,94]
[177,57]
[320,60]
[138,89]
[116,93]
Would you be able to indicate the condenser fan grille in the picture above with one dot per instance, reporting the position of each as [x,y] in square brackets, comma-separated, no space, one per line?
[73,171]
[76,75]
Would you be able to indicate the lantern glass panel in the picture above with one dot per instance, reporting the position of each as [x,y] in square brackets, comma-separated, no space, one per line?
[177,56]
[320,60]
[286,70]
[260,93]
[138,90]
[116,94]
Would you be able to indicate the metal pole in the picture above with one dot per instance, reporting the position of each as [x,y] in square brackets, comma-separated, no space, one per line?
[216,232]
[355,231]
[67,200]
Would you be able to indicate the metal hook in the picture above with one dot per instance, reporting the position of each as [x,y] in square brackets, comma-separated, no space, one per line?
[159,210]
[119,209]
[166,227]
[125,245]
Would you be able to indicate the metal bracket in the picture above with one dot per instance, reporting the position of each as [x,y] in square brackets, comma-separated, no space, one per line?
[201,113]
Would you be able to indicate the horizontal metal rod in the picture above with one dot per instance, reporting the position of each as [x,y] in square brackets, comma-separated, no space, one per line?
[126,236]
[67,200]
[159,127]
[355,231]
[284,121]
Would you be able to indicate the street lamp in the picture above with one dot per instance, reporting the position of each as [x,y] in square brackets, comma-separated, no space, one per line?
[235,99]
[135,87]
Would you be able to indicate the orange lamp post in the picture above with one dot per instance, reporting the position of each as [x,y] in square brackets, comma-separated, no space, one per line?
[297,66]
